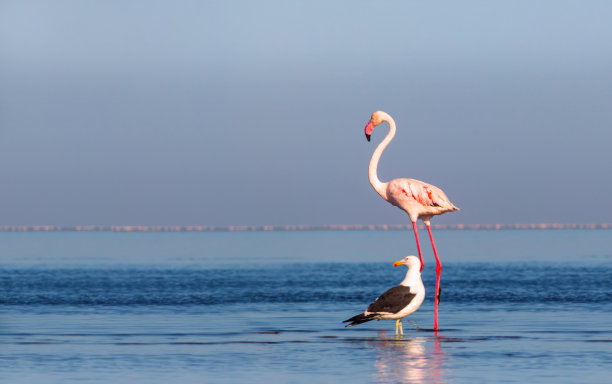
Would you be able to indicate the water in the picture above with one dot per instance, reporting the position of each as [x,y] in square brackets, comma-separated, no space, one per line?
[517,306]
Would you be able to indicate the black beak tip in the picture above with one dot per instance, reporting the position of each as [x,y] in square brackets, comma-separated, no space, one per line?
[367,137]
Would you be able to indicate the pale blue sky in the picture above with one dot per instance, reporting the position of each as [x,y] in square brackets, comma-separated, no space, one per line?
[252,113]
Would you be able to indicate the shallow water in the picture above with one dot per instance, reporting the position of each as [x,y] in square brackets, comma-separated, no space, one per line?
[240,307]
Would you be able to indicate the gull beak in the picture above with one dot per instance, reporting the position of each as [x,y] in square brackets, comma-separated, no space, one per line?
[368,129]
[399,262]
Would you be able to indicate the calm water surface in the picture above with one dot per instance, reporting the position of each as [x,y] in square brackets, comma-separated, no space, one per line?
[517,306]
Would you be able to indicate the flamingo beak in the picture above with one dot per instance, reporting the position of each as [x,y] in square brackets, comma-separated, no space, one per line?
[368,129]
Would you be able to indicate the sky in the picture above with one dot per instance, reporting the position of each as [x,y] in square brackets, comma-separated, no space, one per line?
[252,113]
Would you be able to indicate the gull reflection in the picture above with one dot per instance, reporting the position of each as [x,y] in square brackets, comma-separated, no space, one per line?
[408,360]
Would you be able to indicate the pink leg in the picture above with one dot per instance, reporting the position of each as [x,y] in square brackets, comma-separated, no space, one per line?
[438,270]
[416,236]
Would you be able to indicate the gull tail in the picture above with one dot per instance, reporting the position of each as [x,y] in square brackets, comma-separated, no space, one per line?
[361,318]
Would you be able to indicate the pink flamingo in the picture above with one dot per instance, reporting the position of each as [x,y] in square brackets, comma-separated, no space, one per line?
[416,198]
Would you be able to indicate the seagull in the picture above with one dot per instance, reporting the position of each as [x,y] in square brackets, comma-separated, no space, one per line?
[399,301]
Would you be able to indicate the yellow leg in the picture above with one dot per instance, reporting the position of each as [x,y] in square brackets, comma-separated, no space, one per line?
[397,323]
[401,327]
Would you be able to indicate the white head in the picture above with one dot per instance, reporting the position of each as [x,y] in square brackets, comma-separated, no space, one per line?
[412,262]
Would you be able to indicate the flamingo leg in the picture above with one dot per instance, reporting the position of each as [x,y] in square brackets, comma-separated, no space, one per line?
[438,270]
[416,236]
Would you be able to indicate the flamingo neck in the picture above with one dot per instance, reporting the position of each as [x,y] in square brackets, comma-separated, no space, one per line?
[378,185]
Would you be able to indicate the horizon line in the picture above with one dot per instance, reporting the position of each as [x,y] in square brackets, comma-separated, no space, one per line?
[288,228]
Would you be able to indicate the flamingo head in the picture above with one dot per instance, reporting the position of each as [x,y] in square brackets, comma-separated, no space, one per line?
[377,119]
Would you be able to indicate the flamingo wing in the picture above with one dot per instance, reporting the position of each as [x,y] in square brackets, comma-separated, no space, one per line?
[425,194]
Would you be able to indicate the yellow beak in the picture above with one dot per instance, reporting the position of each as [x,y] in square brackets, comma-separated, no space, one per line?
[399,262]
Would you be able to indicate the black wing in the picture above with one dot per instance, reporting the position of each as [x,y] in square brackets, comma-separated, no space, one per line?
[392,301]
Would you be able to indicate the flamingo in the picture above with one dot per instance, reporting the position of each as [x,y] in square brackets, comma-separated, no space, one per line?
[416,198]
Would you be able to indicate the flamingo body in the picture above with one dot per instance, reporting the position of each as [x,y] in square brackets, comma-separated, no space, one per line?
[417,198]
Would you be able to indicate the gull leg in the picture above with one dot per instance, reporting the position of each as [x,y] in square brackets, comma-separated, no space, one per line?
[438,270]
[401,327]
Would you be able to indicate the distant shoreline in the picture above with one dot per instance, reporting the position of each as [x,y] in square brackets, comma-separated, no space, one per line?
[288,228]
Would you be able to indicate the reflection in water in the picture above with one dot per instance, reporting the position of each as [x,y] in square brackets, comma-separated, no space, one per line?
[408,360]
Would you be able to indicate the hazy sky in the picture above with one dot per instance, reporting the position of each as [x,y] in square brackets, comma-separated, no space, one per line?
[252,113]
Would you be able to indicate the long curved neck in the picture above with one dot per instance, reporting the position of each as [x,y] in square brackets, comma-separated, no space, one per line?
[378,185]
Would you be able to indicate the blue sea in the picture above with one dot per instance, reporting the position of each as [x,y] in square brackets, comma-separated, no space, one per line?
[517,306]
